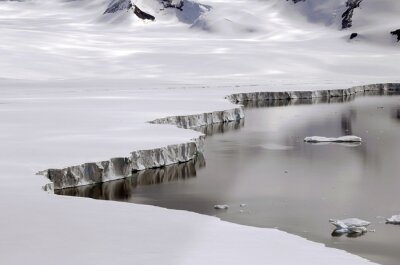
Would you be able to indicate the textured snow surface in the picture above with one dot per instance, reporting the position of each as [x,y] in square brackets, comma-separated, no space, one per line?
[77,86]
[342,139]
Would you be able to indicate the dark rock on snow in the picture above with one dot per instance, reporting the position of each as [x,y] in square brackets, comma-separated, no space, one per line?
[347,16]
[169,4]
[142,15]
[396,33]
[353,35]
[120,5]
[296,1]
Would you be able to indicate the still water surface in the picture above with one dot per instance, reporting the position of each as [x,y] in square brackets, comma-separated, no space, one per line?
[286,183]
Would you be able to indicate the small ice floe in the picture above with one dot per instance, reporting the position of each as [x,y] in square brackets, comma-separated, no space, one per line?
[350,226]
[342,139]
[243,205]
[394,220]
[221,207]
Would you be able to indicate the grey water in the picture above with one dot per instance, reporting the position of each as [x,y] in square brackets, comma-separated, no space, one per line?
[285,183]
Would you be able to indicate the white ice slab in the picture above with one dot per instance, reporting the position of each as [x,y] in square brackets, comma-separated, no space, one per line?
[342,139]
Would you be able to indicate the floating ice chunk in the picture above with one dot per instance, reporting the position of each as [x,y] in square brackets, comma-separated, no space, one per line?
[395,220]
[343,139]
[221,207]
[243,205]
[357,230]
[349,222]
[350,225]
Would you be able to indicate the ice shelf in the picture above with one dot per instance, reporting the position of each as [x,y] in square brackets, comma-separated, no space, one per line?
[122,167]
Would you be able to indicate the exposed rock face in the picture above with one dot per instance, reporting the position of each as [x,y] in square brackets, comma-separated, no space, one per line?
[396,33]
[142,15]
[118,5]
[347,16]
[121,5]
[170,4]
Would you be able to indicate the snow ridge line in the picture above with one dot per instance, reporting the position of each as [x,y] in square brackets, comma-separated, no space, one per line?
[122,167]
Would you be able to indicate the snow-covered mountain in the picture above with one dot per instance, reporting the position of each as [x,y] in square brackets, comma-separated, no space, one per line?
[367,16]
[198,40]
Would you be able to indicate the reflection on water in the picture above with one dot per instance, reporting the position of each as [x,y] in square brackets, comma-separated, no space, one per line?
[350,235]
[124,189]
[286,183]
[396,113]
[220,128]
[311,101]
[293,102]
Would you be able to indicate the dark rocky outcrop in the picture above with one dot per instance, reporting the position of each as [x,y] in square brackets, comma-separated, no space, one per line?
[296,1]
[170,4]
[396,33]
[353,35]
[142,15]
[347,16]
[120,5]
